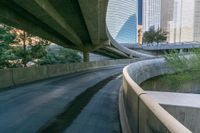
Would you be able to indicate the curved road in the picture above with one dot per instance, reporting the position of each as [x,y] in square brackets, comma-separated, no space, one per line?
[36,107]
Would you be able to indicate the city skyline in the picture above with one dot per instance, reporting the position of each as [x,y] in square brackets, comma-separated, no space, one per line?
[177,17]
[151,13]
[180,18]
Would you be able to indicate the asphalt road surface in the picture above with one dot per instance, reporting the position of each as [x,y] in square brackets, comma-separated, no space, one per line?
[30,108]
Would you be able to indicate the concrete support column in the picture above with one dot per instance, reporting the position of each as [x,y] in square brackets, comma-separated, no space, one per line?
[86,56]
[181,51]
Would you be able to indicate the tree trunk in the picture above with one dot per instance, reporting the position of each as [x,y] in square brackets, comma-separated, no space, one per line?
[24,49]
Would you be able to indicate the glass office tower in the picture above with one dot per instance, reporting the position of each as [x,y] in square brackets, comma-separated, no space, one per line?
[151,14]
[122,20]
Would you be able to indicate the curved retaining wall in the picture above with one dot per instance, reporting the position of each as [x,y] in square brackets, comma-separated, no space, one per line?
[140,113]
[17,76]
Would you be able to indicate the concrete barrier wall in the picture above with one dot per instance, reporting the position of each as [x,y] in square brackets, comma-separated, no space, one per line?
[25,75]
[6,79]
[184,107]
[188,116]
[139,112]
[17,76]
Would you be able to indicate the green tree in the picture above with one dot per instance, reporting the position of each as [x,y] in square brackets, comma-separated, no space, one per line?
[24,40]
[154,36]
[18,48]
[6,39]
[29,48]
[148,37]
[160,36]
[62,56]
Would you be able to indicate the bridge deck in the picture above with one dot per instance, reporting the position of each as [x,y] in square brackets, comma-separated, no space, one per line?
[29,108]
[101,114]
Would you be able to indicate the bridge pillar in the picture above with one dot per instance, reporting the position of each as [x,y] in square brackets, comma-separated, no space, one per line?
[181,51]
[86,56]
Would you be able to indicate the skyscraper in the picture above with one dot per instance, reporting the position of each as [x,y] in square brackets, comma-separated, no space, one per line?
[128,32]
[151,14]
[197,21]
[167,10]
[181,28]
[122,20]
[180,18]
[140,12]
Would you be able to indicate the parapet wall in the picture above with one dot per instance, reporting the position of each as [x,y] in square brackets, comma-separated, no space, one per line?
[17,76]
[185,107]
[139,112]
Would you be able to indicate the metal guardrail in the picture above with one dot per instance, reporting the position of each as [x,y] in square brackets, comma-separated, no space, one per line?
[163,46]
[171,46]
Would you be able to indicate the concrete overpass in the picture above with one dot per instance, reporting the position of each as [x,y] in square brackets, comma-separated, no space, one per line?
[74,98]
[69,103]
[77,24]
[172,46]
[86,97]
[161,49]
[38,107]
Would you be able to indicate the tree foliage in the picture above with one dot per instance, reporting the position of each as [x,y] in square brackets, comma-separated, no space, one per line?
[149,36]
[160,36]
[154,36]
[6,39]
[29,48]
[18,48]
[61,57]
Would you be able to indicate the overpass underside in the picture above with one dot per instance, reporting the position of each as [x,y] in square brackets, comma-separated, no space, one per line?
[74,24]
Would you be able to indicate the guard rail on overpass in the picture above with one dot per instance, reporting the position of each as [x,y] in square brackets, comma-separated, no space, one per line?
[172,46]
[139,112]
